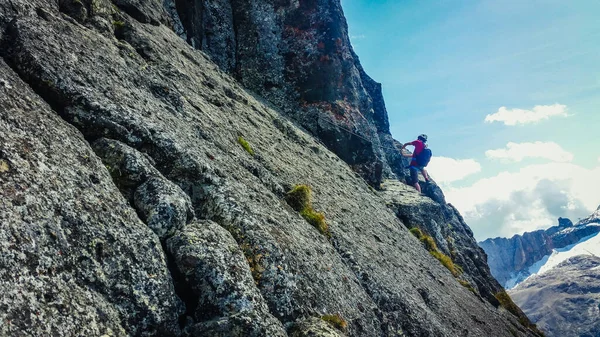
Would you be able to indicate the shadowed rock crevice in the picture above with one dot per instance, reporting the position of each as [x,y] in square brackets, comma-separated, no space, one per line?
[184,291]
[143,11]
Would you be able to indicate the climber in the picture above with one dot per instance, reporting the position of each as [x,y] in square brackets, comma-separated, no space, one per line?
[420,159]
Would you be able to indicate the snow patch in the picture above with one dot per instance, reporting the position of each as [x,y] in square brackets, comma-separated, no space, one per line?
[536,267]
[515,280]
[594,218]
[589,245]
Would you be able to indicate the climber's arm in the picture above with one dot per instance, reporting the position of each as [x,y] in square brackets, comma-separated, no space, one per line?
[404,147]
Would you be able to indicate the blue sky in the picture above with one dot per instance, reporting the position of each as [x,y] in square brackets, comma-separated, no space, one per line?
[446,65]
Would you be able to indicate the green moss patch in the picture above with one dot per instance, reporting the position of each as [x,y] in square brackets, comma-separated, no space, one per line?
[468,286]
[430,245]
[118,24]
[244,143]
[446,261]
[337,321]
[299,198]
[507,303]
[4,166]
[317,220]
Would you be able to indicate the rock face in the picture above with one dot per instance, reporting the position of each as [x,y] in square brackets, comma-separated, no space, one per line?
[75,257]
[510,259]
[129,206]
[565,300]
[297,55]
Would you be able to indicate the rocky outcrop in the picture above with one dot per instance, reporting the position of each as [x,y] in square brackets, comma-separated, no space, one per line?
[564,301]
[510,259]
[448,229]
[297,54]
[166,224]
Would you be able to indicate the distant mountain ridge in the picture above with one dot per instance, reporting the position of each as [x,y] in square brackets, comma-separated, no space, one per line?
[511,260]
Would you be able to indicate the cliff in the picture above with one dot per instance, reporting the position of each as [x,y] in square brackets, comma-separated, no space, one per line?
[298,56]
[145,192]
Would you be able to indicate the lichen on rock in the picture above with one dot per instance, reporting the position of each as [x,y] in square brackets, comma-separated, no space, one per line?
[75,259]
[163,206]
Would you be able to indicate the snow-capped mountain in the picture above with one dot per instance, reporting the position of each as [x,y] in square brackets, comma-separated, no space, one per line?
[587,245]
[513,260]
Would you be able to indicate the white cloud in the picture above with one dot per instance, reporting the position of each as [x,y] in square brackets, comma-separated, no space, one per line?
[357,37]
[446,170]
[516,152]
[521,116]
[529,199]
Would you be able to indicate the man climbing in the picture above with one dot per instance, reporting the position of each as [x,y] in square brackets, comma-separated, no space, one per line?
[420,158]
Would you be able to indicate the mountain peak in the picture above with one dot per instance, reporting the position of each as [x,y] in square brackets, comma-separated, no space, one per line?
[565,222]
